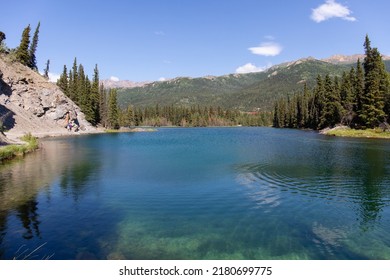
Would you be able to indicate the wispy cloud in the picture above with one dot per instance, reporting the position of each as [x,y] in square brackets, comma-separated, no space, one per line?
[114,79]
[159,33]
[267,49]
[330,10]
[250,68]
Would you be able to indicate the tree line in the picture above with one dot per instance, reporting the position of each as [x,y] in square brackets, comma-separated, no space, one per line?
[359,99]
[194,116]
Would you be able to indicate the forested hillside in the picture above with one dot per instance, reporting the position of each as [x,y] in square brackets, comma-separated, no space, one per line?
[246,92]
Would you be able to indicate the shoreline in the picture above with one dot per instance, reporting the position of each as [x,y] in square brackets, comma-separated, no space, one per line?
[347,132]
[15,146]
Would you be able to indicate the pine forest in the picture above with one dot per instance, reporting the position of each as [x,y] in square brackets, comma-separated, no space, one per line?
[359,99]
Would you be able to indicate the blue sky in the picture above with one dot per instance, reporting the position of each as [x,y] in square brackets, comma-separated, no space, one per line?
[147,40]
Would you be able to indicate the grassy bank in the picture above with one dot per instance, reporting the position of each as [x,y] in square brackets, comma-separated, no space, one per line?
[11,151]
[366,133]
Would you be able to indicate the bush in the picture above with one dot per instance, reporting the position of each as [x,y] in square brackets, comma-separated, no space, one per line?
[11,151]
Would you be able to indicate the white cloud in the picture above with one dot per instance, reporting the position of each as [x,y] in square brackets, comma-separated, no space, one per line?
[162,79]
[53,77]
[267,49]
[250,68]
[114,79]
[331,9]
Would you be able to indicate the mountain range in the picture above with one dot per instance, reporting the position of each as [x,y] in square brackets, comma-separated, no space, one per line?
[247,92]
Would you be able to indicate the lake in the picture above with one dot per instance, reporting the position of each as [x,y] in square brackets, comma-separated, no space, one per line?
[198,193]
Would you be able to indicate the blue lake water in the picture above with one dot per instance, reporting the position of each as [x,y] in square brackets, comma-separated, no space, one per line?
[201,193]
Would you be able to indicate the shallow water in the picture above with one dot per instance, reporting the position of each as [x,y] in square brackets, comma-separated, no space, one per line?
[202,193]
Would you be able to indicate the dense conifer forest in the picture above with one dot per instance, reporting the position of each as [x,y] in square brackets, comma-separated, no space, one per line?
[194,116]
[359,99]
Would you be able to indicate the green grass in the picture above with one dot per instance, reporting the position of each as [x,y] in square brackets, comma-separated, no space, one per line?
[359,133]
[113,131]
[11,151]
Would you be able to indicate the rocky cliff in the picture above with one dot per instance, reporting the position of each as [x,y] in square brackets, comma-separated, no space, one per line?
[31,104]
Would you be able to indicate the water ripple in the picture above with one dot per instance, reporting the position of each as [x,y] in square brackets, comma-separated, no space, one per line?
[266,182]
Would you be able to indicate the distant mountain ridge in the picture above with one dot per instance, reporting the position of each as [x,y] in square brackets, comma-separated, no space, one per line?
[348,59]
[122,83]
[247,92]
[334,59]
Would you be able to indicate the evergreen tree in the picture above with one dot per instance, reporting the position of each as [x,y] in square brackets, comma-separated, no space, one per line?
[22,53]
[113,111]
[103,105]
[305,107]
[63,82]
[347,97]
[129,116]
[73,82]
[94,96]
[316,104]
[70,84]
[2,37]
[358,91]
[331,113]
[276,118]
[372,111]
[292,112]
[46,72]
[386,82]
[80,97]
[33,48]
[87,102]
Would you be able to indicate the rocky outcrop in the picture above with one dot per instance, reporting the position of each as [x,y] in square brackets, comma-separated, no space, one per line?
[31,104]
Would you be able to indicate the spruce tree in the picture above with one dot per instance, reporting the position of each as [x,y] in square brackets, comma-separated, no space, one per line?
[358,91]
[305,107]
[63,82]
[275,121]
[73,82]
[113,111]
[22,53]
[372,111]
[347,97]
[103,105]
[317,103]
[129,116]
[87,102]
[33,48]
[331,113]
[80,98]
[94,96]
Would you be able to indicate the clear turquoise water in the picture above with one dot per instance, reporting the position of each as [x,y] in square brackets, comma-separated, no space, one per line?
[202,193]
